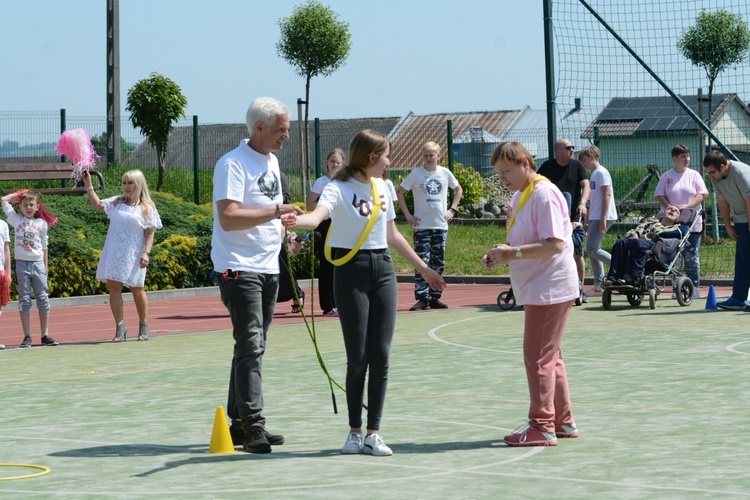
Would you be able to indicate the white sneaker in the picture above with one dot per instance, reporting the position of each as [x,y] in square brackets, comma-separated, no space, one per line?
[353,445]
[374,445]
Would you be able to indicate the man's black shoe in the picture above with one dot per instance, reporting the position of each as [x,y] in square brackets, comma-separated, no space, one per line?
[257,442]
[436,304]
[274,439]
[421,305]
[238,437]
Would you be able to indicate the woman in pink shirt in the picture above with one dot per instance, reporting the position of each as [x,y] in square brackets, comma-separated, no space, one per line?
[539,252]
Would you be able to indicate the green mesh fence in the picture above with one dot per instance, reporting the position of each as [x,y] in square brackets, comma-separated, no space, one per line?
[636,119]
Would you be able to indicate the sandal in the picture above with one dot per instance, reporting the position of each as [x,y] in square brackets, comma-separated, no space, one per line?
[299,305]
[142,331]
[120,332]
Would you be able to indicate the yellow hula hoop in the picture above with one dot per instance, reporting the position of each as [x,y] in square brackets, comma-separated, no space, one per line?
[44,470]
[370,223]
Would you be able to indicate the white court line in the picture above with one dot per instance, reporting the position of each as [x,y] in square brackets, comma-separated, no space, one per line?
[731,348]
[433,335]
[476,469]
[431,471]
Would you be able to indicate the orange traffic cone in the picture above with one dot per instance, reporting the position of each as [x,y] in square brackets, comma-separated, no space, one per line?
[221,440]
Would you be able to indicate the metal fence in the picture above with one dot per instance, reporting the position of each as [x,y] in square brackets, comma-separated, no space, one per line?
[31,137]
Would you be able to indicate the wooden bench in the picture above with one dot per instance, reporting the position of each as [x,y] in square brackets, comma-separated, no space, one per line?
[23,173]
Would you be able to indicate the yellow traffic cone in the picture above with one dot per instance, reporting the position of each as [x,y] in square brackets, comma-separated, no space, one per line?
[221,440]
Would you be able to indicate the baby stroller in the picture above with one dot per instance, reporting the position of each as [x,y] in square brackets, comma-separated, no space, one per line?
[506,301]
[660,271]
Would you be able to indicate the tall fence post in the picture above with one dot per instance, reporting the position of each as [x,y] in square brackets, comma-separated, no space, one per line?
[302,148]
[549,67]
[449,131]
[317,148]
[63,128]
[196,163]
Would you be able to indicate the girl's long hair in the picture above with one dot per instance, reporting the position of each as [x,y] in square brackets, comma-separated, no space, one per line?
[363,144]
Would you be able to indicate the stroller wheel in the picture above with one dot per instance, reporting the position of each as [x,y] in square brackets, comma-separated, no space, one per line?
[635,299]
[607,298]
[684,291]
[506,301]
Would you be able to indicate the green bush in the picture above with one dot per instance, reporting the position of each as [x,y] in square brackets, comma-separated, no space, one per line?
[180,257]
[471,182]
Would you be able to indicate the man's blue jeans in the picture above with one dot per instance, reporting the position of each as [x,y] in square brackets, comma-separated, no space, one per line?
[741,262]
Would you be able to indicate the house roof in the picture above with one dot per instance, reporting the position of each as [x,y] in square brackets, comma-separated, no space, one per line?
[628,116]
[215,140]
[413,131]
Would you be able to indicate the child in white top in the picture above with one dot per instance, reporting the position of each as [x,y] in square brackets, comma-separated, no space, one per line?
[601,215]
[4,266]
[430,185]
[30,249]
[365,284]
[334,161]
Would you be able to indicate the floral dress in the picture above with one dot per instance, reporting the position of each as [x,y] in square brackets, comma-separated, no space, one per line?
[121,256]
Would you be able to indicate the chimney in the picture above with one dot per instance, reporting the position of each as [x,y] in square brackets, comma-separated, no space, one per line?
[577,106]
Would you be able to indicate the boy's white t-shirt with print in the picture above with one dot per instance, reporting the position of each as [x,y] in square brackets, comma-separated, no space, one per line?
[30,237]
[430,191]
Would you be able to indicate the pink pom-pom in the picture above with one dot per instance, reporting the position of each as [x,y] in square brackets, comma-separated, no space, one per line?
[76,145]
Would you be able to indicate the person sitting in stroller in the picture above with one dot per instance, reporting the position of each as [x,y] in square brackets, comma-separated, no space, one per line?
[630,253]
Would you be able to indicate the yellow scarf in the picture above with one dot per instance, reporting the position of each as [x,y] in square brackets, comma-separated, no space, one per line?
[525,195]
[370,223]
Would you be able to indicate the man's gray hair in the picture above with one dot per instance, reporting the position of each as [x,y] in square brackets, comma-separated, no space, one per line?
[264,109]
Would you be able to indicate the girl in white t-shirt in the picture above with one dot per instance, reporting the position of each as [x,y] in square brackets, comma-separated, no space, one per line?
[4,265]
[334,161]
[364,281]
[602,213]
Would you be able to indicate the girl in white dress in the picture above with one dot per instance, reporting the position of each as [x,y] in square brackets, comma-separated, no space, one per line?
[133,219]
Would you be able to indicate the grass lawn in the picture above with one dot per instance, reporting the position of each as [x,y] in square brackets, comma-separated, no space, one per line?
[467,243]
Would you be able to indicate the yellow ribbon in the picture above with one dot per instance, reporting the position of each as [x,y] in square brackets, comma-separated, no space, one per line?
[525,195]
[373,219]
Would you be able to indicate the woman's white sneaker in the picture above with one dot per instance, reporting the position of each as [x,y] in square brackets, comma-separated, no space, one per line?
[353,445]
[374,445]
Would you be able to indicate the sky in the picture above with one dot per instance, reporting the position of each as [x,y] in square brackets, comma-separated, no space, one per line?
[423,56]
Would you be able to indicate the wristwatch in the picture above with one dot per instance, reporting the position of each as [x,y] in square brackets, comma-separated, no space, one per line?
[519,253]
[278,212]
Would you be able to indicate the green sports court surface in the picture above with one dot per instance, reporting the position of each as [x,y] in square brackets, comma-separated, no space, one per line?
[662,399]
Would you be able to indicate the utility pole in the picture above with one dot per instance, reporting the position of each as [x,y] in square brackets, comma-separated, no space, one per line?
[113,82]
